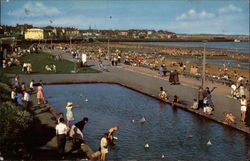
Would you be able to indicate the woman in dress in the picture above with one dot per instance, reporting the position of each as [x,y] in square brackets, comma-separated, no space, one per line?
[40,95]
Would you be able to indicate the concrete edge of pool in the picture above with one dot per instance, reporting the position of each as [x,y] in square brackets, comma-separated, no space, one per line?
[182,106]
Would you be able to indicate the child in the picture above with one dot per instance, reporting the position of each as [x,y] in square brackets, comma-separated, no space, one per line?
[32,86]
[195,105]
[175,100]
[230,118]
[69,114]
[162,94]
[207,109]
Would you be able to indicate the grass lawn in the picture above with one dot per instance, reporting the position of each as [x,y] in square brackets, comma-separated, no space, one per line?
[41,59]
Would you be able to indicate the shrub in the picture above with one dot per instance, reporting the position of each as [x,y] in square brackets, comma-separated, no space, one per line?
[4,78]
[4,92]
[13,124]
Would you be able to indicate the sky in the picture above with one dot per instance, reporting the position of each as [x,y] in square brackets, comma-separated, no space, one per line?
[179,16]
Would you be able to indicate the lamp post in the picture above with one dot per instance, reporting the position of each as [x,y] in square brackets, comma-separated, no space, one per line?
[203,82]
[110,17]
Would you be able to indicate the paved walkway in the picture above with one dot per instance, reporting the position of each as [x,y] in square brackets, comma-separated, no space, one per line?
[148,82]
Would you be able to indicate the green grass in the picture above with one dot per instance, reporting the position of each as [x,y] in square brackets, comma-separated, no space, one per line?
[40,60]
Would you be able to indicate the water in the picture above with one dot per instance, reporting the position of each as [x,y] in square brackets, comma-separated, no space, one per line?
[242,47]
[165,130]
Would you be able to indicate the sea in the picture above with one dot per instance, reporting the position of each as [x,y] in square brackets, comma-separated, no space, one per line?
[240,47]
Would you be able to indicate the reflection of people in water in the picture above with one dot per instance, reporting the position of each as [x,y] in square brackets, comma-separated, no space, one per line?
[111,136]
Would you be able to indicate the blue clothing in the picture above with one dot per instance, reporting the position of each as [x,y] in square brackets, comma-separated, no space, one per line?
[19,97]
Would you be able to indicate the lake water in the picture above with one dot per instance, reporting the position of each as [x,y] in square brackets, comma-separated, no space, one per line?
[242,47]
[165,130]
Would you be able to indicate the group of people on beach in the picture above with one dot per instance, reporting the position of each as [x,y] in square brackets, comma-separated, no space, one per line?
[74,132]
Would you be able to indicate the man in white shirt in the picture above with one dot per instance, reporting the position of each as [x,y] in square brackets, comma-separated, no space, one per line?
[26,100]
[61,131]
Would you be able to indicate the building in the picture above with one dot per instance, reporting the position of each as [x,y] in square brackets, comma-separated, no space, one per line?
[36,34]
[71,33]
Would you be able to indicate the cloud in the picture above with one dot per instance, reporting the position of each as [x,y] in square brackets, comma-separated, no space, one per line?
[193,15]
[226,24]
[34,10]
[229,9]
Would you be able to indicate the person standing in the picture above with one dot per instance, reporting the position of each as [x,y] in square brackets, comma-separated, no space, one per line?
[104,146]
[17,83]
[13,95]
[40,95]
[208,94]
[176,77]
[171,77]
[61,131]
[200,98]
[161,70]
[243,108]
[69,114]
[26,100]
[241,90]
[23,86]
[31,86]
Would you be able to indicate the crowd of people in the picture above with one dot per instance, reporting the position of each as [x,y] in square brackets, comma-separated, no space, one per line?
[13,58]
[153,58]
[74,133]
[65,130]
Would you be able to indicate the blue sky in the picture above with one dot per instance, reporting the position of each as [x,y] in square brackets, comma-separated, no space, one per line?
[180,16]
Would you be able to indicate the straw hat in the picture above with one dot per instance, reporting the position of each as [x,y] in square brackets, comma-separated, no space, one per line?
[69,103]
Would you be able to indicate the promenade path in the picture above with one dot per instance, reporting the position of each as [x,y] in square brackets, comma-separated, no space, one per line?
[148,82]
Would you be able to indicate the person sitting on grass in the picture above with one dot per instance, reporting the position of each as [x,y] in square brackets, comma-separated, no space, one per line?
[48,68]
[195,105]
[229,118]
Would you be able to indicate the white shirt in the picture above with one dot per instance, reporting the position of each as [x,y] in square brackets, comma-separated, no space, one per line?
[243,102]
[26,97]
[31,85]
[61,129]
[13,95]
[104,142]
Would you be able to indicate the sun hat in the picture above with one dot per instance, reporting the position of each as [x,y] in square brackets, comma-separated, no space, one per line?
[69,103]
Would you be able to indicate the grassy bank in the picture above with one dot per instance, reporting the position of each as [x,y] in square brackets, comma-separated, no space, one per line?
[41,59]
